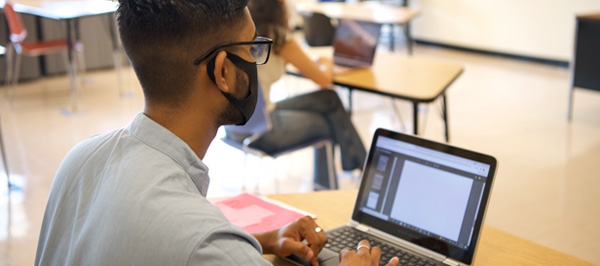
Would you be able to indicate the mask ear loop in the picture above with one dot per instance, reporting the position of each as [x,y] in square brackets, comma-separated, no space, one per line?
[210,68]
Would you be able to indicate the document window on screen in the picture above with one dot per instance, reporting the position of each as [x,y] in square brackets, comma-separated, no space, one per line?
[426,196]
[426,191]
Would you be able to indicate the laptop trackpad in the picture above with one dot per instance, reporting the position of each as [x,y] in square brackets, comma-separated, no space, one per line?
[326,258]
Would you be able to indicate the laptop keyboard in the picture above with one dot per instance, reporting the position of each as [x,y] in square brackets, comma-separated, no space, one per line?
[347,237]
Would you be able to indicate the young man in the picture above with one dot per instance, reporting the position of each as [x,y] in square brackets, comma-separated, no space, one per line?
[136,196]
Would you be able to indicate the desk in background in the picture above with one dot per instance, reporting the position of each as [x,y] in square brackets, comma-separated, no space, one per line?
[496,247]
[70,12]
[418,80]
[372,12]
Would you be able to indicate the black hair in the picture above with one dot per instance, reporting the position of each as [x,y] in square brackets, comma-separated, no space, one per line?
[162,38]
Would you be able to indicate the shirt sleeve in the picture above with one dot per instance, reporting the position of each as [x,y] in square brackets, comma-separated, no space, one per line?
[227,249]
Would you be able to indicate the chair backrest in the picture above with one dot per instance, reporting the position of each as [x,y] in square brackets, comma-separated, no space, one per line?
[318,30]
[257,124]
[18,33]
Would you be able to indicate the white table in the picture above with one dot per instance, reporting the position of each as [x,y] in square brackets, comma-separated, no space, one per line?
[371,12]
[70,11]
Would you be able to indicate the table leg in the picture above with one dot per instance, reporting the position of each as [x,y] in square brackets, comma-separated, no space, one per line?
[72,25]
[116,42]
[445,114]
[350,101]
[409,40]
[391,37]
[416,118]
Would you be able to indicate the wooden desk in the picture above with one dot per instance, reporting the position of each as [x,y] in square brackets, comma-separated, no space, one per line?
[496,247]
[70,11]
[418,80]
[372,12]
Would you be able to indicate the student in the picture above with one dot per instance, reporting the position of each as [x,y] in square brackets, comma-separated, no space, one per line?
[136,196]
[306,116]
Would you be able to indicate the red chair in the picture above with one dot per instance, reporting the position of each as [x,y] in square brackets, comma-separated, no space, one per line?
[17,43]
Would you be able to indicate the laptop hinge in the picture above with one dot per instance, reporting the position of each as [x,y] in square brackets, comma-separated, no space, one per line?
[362,227]
[451,262]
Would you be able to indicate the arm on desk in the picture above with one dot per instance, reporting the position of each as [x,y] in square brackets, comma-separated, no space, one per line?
[293,53]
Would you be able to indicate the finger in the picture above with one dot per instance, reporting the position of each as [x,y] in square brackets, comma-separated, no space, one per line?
[298,248]
[393,262]
[315,240]
[363,248]
[345,253]
[315,261]
[322,239]
[375,255]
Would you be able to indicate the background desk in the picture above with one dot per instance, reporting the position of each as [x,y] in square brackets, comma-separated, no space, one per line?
[496,248]
[372,12]
[70,12]
[418,80]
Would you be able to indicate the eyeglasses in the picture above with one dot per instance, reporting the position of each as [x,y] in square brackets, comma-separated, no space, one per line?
[260,49]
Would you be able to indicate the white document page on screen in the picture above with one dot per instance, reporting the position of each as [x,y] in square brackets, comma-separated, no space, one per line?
[432,199]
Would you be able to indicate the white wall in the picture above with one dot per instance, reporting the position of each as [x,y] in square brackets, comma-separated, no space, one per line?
[536,28]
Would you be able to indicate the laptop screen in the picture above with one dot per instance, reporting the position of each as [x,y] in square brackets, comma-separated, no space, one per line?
[355,42]
[427,193]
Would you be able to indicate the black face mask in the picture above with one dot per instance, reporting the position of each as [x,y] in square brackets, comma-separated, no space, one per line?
[245,106]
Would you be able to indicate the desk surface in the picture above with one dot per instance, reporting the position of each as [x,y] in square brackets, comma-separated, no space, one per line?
[396,75]
[63,9]
[496,247]
[374,12]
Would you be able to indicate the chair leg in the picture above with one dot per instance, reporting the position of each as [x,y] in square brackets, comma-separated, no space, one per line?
[570,107]
[5,164]
[15,77]
[324,170]
[330,166]
[9,68]
[245,170]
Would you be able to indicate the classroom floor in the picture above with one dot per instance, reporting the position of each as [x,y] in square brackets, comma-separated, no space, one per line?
[546,189]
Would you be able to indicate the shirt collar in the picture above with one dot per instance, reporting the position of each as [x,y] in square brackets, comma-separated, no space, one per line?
[163,140]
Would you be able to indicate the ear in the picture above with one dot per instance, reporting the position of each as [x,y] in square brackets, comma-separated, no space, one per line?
[221,72]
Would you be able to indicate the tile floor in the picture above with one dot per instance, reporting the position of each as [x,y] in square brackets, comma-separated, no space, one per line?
[546,189]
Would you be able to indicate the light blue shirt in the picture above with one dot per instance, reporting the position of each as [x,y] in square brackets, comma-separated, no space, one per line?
[136,196]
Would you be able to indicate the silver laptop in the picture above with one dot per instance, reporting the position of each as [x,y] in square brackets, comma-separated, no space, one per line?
[419,200]
[355,43]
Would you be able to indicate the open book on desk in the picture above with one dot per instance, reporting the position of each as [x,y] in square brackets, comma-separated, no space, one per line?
[256,214]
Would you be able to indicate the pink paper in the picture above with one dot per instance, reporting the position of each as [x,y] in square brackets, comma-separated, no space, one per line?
[254,214]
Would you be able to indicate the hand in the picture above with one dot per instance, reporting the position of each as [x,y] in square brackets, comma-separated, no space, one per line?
[327,61]
[364,256]
[325,64]
[288,240]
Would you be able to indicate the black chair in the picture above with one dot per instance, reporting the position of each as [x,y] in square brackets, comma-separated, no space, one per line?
[586,62]
[318,29]
[241,137]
